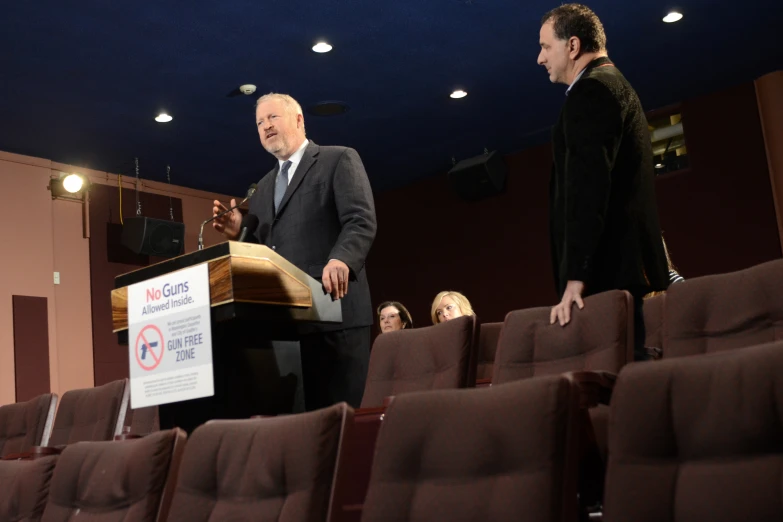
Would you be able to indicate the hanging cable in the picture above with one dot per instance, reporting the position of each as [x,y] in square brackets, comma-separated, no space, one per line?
[119,185]
[138,202]
[171,205]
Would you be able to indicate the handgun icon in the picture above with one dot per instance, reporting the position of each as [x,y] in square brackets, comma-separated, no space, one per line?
[145,349]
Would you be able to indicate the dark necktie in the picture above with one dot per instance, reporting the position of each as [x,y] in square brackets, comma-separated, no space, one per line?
[281,185]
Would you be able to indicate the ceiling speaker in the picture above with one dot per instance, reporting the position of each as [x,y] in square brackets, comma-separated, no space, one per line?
[480,177]
[154,237]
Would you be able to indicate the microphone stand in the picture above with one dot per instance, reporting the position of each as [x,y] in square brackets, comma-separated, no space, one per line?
[201,231]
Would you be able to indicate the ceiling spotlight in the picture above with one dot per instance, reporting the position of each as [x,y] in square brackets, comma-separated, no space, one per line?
[163,118]
[672,17]
[322,47]
[73,183]
[458,94]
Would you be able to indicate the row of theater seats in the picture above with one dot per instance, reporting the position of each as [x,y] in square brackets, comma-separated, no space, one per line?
[703,315]
[710,314]
[692,440]
[91,414]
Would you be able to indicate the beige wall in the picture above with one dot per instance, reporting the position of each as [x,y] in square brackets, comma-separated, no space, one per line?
[27,262]
[42,236]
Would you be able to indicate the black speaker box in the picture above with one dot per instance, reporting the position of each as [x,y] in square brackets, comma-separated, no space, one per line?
[479,177]
[154,237]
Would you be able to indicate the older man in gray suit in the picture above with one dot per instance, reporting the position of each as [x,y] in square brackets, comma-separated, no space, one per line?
[316,209]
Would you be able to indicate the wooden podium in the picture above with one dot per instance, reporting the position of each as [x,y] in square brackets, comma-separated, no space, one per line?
[258,299]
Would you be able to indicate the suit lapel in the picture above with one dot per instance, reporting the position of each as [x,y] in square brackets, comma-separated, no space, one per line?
[308,160]
[266,195]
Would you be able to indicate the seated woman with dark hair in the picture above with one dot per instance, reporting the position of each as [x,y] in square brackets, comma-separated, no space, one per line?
[449,305]
[392,315]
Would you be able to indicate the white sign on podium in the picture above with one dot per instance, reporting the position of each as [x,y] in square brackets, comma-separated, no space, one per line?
[170,338]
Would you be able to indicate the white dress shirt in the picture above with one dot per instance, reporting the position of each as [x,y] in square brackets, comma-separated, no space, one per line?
[575,80]
[295,159]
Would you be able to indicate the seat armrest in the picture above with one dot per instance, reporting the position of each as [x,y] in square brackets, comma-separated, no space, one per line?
[127,435]
[365,412]
[35,452]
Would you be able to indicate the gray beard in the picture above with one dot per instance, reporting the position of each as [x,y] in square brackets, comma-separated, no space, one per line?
[275,150]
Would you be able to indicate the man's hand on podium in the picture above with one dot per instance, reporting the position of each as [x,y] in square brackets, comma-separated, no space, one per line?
[228,224]
[335,278]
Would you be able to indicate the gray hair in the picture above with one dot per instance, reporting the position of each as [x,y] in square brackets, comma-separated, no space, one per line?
[291,105]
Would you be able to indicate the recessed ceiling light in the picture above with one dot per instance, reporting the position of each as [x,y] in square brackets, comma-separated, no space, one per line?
[328,108]
[322,47]
[672,17]
[163,118]
[458,94]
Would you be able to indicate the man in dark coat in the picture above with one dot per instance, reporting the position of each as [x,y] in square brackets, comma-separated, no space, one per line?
[604,227]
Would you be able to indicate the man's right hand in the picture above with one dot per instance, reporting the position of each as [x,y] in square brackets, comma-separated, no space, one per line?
[227,224]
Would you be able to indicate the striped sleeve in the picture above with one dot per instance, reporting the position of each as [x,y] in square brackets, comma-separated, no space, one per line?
[674,277]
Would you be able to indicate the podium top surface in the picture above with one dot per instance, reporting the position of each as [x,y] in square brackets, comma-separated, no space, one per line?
[202,256]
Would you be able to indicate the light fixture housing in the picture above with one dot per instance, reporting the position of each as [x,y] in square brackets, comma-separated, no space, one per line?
[322,47]
[163,118]
[459,93]
[672,17]
[69,186]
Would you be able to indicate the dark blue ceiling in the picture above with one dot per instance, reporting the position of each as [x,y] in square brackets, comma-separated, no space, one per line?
[80,82]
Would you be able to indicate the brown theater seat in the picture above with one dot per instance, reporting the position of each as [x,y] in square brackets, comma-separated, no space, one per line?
[142,421]
[698,439]
[436,357]
[488,345]
[598,338]
[91,414]
[725,311]
[505,453]
[24,488]
[275,468]
[431,358]
[112,481]
[26,424]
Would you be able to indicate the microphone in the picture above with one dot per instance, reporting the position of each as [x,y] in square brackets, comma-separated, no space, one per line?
[249,226]
[250,192]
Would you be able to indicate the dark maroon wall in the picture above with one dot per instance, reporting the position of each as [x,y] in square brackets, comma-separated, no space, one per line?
[720,216]
[495,251]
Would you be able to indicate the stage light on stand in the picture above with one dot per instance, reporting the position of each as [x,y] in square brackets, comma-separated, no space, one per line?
[73,187]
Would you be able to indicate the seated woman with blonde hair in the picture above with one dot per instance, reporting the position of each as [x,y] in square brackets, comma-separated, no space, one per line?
[392,315]
[449,305]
